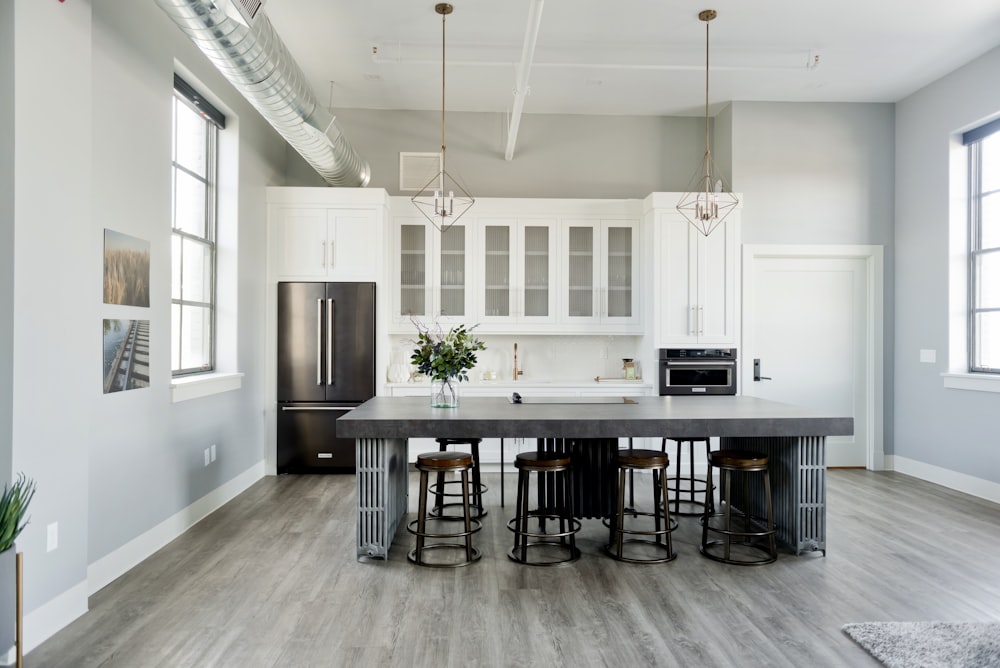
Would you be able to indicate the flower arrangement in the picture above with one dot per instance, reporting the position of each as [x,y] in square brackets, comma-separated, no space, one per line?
[445,358]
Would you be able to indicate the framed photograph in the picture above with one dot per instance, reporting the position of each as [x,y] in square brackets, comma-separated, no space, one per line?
[126,355]
[126,269]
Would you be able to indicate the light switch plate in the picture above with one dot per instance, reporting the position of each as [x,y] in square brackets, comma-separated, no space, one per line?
[928,356]
[52,536]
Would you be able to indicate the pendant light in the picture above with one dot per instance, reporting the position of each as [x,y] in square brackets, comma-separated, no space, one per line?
[707,202]
[443,200]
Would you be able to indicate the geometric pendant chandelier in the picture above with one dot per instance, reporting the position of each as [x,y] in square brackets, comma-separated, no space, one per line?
[707,201]
[443,200]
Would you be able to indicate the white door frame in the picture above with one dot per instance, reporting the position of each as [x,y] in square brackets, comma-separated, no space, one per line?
[872,255]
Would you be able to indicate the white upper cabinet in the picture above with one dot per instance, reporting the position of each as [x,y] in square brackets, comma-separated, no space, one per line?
[600,274]
[326,234]
[697,282]
[431,273]
[518,268]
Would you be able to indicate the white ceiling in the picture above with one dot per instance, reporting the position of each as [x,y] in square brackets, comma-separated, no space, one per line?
[641,57]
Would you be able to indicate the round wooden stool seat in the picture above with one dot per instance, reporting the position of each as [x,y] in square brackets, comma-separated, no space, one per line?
[441,463]
[744,460]
[641,459]
[624,531]
[444,461]
[555,505]
[440,487]
[541,461]
[745,526]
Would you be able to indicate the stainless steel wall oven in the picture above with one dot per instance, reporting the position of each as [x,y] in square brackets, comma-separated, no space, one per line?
[697,371]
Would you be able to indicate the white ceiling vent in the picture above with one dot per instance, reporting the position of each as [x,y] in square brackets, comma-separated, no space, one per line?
[417,169]
[244,11]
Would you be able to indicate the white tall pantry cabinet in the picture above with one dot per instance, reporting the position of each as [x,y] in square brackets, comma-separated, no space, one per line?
[696,278]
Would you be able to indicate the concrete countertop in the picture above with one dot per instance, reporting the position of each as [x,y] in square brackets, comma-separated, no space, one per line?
[406,417]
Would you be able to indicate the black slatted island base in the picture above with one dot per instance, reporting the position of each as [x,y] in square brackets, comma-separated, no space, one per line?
[792,437]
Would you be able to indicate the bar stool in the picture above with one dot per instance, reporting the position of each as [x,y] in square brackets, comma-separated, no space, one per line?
[756,530]
[632,460]
[440,463]
[554,487]
[439,488]
[687,485]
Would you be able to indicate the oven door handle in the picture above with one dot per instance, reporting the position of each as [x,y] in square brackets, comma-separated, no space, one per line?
[705,363]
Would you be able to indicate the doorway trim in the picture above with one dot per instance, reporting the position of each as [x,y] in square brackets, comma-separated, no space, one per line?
[873,257]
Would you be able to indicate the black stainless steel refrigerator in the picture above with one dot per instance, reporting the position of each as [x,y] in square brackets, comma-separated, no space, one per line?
[326,367]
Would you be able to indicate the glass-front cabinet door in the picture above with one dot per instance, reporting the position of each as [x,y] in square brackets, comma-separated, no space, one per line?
[413,270]
[518,270]
[601,263]
[452,304]
[432,270]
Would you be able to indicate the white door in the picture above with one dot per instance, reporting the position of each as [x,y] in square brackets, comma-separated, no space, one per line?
[806,318]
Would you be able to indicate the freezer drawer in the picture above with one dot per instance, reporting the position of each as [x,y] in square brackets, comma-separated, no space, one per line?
[308,441]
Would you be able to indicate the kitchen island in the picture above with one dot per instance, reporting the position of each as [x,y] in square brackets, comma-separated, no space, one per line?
[792,437]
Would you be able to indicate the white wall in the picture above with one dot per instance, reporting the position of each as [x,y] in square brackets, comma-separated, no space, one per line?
[947,428]
[91,108]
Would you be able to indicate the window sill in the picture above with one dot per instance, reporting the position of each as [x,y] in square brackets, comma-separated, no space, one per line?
[978,382]
[195,387]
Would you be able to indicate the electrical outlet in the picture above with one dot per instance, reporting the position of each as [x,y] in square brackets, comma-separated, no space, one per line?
[213,451]
[208,457]
[52,536]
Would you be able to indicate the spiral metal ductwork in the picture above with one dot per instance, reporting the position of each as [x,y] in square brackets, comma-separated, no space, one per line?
[255,60]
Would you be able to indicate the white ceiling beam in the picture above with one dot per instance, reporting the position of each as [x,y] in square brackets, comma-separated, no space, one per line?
[521,85]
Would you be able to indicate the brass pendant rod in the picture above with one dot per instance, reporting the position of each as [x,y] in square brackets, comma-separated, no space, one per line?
[443,17]
[707,150]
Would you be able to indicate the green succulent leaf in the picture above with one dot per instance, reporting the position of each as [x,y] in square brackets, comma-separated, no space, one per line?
[13,508]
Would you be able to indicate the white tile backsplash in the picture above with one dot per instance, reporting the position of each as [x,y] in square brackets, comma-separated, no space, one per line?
[547,358]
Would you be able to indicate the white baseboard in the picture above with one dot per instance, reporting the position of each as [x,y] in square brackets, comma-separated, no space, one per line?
[960,482]
[42,623]
[117,563]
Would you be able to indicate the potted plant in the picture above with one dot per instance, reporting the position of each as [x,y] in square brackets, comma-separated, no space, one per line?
[446,360]
[13,507]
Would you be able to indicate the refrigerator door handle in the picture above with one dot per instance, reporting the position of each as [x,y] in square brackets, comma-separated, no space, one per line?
[318,408]
[319,337]
[329,341]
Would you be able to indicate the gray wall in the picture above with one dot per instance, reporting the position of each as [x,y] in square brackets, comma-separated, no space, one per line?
[555,155]
[91,99]
[6,282]
[820,174]
[952,429]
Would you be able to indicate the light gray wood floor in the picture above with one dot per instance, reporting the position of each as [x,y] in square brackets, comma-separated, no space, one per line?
[271,579]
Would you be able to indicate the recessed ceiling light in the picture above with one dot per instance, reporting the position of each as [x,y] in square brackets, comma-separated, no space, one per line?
[373,77]
[595,82]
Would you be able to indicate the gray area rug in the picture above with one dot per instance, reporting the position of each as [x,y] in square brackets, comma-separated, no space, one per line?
[929,644]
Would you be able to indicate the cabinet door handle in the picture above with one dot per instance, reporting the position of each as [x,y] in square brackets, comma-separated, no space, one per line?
[322,254]
[330,259]
[692,318]
[701,320]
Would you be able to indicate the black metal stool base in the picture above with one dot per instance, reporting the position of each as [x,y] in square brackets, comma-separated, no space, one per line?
[545,539]
[412,555]
[660,536]
[440,510]
[690,485]
[738,536]
[658,542]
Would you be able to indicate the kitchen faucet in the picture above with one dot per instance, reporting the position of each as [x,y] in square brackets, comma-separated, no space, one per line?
[516,371]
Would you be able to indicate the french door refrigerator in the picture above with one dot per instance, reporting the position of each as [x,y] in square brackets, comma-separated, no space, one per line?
[326,367]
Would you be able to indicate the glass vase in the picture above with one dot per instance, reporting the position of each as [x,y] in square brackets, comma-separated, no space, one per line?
[444,393]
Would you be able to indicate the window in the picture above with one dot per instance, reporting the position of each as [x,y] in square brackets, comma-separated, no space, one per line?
[196,126]
[984,247]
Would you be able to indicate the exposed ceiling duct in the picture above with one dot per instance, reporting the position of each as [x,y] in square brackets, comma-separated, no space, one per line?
[255,60]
